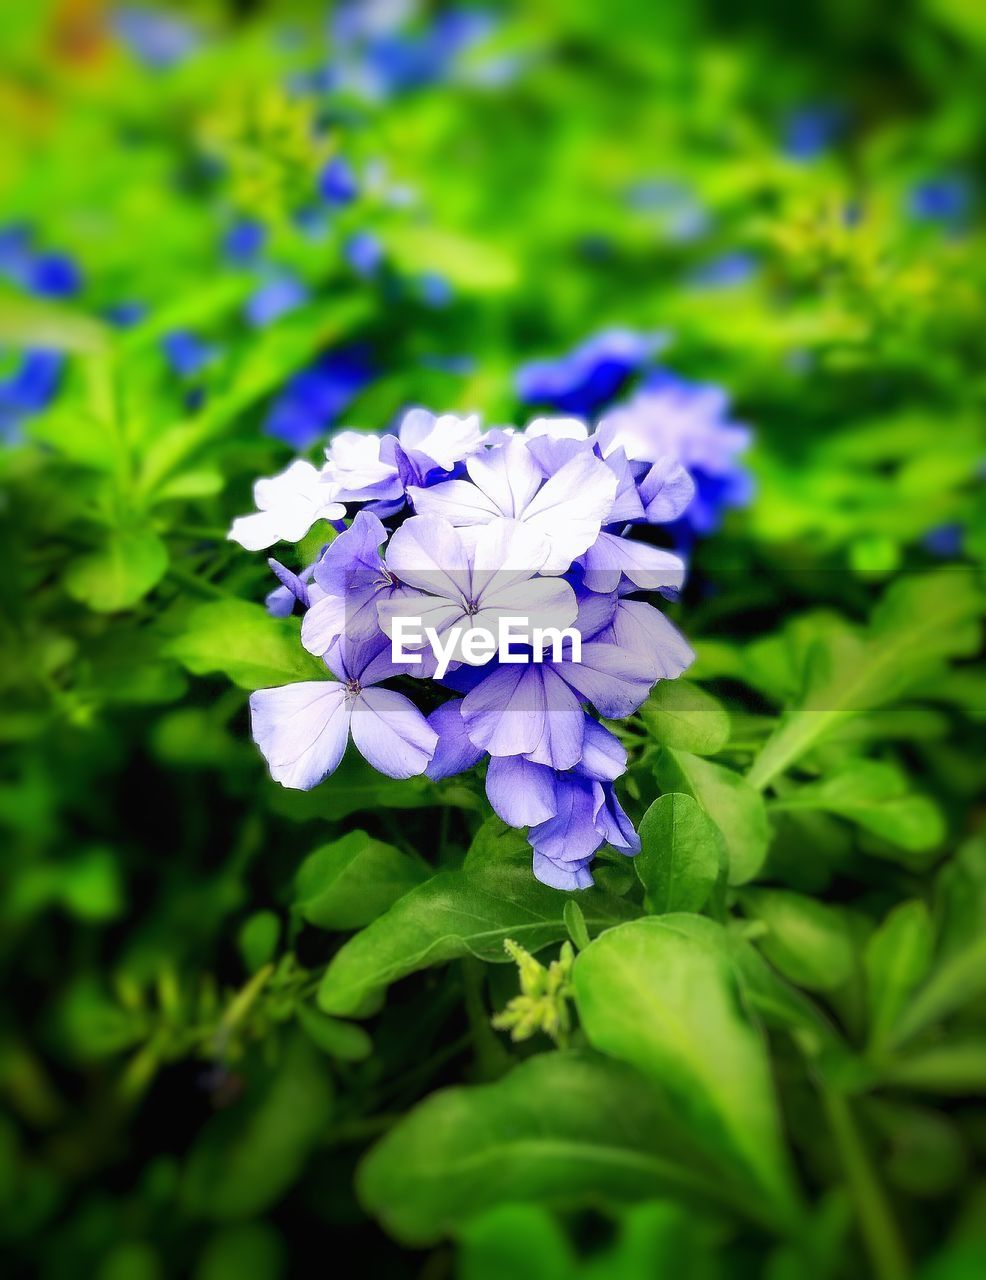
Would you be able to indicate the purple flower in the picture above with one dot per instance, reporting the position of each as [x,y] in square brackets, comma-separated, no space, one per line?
[565,511]
[276,297]
[529,526]
[313,399]
[589,377]
[303,729]
[352,581]
[369,467]
[472,578]
[294,589]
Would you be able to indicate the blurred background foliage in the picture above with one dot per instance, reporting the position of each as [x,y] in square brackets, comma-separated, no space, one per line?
[203,202]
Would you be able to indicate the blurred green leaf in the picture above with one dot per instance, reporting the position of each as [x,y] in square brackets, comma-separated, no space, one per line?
[808,941]
[875,796]
[898,957]
[561,1128]
[682,716]
[258,938]
[245,1158]
[342,1040]
[129,565]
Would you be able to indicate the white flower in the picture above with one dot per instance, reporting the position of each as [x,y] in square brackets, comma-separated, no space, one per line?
[288,505]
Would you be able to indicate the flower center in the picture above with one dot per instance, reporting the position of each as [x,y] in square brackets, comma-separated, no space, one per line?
[353,688]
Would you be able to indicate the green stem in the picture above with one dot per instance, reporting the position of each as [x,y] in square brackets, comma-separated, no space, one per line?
[876,1222]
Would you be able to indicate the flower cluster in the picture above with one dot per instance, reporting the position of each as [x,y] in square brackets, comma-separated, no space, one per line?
[459,527]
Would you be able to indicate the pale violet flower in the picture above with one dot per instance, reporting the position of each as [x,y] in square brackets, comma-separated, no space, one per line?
[288,505]
[565,511]
[368,467]
[303,729]
[472,578]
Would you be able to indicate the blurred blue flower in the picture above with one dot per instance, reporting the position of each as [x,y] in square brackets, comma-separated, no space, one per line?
[337,182]
[946,199]
[244,241]
[46,275]
[157,39]
[313,399]
[726,271]
[364,253]
[673,417]
[186,353]
[125,314]
[277,296]
[29,389]
[682,217]
[589,377]
[434,290]
[810,131]
[54,275]
[945,541]
[379,59]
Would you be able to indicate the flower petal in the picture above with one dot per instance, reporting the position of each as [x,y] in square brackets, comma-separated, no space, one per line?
[302,729]
[391,733]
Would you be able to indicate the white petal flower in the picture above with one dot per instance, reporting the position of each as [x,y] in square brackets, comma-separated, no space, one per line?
[288,505]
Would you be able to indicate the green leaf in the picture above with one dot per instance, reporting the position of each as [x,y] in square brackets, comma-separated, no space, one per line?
[342,1040]
[129,564]
[523,1241]
[666,1000]
[683,716]
[248,1155]
[682,854]
[921,623]
[243,642]
[875,796]
[732,804]
[454,914]
[258,939]
[898,957]
[565,1128]
[348,883]
[958,1066]
[953,983]
[575,924]
[807,940]
[251,1249]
